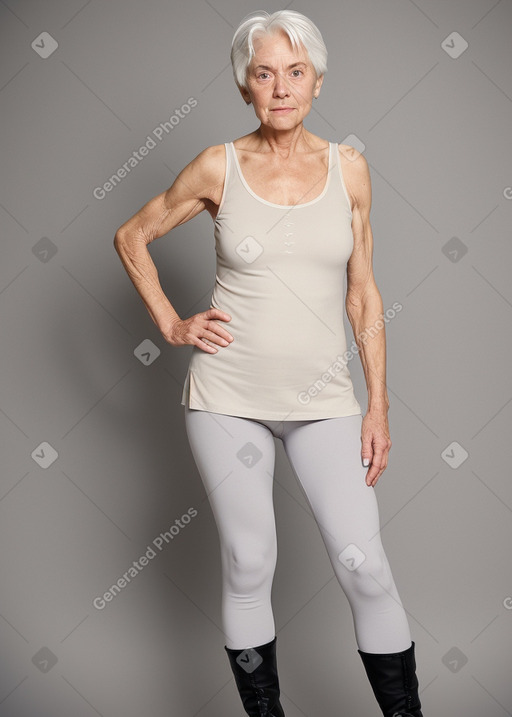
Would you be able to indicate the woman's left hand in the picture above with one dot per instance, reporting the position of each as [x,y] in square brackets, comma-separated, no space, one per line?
[375,443]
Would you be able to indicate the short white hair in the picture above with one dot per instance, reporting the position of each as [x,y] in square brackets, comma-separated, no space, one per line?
[299,28]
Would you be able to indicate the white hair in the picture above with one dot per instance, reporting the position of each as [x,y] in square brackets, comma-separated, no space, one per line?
[299,28]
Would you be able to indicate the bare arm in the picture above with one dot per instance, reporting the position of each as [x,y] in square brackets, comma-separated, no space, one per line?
[364,308]
[193,188]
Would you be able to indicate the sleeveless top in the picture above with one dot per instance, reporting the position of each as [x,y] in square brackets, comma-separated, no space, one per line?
[281,276]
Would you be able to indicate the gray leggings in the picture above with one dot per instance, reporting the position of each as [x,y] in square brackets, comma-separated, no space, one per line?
[235,458]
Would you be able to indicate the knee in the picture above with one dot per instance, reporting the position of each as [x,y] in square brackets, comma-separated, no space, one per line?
[250,567]
[373,576]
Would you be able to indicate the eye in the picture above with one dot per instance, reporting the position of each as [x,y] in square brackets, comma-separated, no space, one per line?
[297,71]
[262,73]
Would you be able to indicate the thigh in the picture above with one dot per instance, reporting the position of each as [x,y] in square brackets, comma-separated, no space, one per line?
[235,458]
[326,457]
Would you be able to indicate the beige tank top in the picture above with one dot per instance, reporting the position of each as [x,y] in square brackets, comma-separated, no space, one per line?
[281,276]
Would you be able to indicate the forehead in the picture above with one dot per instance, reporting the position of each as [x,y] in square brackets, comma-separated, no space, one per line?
[276,47]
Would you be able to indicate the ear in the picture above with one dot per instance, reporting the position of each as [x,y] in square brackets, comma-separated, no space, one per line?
[245,94]
[318,85]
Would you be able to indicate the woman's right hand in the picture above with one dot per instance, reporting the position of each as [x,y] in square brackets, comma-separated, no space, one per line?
[200,330]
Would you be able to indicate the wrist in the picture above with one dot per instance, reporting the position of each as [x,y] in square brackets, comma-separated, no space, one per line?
[165,320]
[378,406]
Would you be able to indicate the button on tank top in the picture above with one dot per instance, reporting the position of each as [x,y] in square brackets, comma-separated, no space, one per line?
[281,276]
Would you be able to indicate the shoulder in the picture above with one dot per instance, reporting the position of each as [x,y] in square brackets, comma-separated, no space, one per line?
[356,174]
[211,162]
[205,172]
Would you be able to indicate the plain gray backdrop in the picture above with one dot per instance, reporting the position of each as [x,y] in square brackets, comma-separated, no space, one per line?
[95,460]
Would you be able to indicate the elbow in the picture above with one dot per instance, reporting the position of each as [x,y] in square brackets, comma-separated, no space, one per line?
[125,237]
[119,236]
[360,296]
[354,304]
[357,306]
[118,239]
[355,317]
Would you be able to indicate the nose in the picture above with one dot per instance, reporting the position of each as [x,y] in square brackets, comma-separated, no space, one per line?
[280,86]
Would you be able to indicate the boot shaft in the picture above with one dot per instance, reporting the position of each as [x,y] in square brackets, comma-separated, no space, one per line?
[255,673]
[394,682]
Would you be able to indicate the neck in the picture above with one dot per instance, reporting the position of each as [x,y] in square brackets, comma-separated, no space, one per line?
[284,142]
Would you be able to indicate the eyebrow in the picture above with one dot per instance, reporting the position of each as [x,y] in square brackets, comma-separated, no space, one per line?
[266,67]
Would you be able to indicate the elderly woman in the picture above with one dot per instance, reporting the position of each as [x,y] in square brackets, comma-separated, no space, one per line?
[269,358]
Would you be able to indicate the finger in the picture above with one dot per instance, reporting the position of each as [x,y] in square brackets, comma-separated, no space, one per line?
[375,472]
[214,337]
[202,344]
[371,476]
[216,328]
[214,313]
[203,341]
[367,449]
[212,341]
[379,458]
[222,333]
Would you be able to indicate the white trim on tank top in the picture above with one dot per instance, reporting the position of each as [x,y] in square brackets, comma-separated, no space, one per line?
[288,206]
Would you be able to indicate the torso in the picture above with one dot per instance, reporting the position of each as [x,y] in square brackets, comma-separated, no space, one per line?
[280,273]
[297,181]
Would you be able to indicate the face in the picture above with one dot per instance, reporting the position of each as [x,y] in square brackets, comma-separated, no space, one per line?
[280,77]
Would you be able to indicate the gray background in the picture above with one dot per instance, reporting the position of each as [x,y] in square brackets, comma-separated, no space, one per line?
[436,131]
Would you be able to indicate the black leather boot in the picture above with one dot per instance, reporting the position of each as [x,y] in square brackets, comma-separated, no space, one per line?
[394,682]
[255,671]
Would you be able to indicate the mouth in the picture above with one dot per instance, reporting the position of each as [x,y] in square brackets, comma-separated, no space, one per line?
[282,109]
